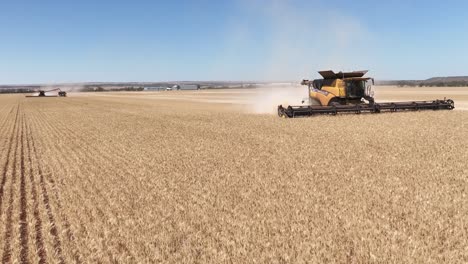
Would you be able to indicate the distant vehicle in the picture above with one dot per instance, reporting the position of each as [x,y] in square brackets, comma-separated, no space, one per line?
[42,93]
[157,88]
[186,87]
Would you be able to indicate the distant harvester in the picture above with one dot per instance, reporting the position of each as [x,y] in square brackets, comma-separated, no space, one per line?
[186,87]
[42,93]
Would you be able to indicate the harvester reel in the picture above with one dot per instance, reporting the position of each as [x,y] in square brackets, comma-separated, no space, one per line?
[281,112]
[301,111]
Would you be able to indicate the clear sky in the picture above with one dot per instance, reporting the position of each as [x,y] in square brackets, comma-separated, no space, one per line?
[53,41]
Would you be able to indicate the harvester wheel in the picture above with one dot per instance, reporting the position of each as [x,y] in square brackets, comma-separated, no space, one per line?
[358,109]
[451,103]
[334,102]
[281,112]
[376,108]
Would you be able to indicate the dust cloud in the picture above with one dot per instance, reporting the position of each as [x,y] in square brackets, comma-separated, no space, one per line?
[296,39]
[267,99]
[63,87]
[298,44]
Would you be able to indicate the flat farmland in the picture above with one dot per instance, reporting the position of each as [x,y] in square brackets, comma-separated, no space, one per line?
[213,177]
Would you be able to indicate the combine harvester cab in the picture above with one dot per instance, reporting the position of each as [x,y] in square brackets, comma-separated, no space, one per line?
[351,92]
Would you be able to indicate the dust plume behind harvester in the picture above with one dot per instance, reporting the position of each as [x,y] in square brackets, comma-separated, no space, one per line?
[351,92]
[42,93]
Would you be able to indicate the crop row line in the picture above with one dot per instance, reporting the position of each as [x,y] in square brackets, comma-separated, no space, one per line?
[78,154]
[46,200]
[6,257]
[7,160]
[66,159]
[42,179]
[23,217]
[39,238]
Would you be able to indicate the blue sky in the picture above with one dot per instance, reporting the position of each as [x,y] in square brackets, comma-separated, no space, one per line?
[76,41]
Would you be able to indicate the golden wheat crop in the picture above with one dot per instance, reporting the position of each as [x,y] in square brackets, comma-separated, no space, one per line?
[193,177]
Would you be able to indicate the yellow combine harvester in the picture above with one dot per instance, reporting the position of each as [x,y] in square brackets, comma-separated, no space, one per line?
[351,92]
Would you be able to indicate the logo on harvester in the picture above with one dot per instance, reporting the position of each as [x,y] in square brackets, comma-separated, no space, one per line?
[320,91]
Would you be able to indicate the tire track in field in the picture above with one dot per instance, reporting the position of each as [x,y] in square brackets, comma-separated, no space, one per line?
[99,157]
[52,131]
[79,154]
[69,234]
[23,216]
[7,115]
[7,161]
[45,198]
[8,127]
[53,230]
[39,239]
[5,127]
[40,123]
[103,155]
[6,258]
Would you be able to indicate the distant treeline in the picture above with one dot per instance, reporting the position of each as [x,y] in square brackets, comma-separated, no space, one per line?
[83,89]
[13,91]
[461,83]
[125,86]
[453,81]
[109,89]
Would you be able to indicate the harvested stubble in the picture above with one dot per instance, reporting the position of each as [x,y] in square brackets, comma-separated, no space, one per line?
[103,178]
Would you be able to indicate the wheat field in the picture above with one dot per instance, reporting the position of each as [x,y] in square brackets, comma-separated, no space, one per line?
[202,177]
